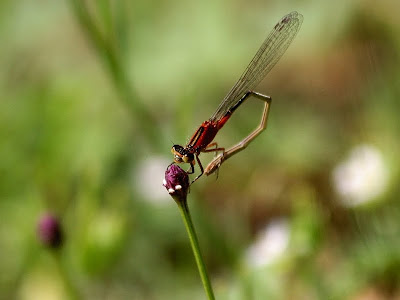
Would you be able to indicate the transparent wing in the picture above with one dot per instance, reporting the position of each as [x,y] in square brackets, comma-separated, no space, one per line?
[265,59]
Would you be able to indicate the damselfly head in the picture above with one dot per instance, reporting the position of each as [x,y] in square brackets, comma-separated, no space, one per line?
[181,154]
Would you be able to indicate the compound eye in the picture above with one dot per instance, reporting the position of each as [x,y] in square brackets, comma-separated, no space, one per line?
[177,159]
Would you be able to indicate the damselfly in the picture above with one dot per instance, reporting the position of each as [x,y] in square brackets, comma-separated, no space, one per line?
[266,57]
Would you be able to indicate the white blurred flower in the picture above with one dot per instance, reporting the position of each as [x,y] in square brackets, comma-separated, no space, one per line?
[148,177]
[362,177]
[270,244]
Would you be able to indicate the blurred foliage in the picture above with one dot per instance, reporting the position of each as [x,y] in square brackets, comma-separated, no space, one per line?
[94,93]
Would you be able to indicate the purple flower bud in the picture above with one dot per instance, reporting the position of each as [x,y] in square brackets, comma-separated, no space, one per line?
[49,231]
[176,182]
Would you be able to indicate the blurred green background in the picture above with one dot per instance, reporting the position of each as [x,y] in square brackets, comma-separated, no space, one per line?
[95,93]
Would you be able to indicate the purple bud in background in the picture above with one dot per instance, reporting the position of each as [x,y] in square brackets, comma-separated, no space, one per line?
[176,182]
[49,231]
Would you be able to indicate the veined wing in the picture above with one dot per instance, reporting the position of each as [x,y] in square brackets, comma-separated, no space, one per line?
[265,59]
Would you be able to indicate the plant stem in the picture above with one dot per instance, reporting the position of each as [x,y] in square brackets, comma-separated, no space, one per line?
[184,209]
[108,50]
[71,289]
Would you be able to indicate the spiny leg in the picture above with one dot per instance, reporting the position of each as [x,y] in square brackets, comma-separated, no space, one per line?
[191,169]
[216,162]
[212,144]
[216,149]
[201,169]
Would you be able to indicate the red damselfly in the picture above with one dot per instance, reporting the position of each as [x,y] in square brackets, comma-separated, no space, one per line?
[266,57]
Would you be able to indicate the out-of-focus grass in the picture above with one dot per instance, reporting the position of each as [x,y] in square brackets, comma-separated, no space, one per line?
[89,111]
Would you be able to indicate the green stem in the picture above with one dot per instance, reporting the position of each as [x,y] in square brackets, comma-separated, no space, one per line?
[71,289]
[107,48]
[184,209]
